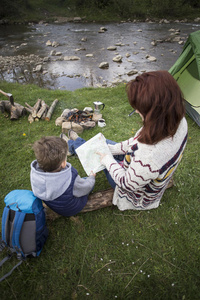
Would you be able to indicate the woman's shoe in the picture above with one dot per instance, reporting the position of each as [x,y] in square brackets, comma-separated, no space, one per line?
[64,137]
[72,135]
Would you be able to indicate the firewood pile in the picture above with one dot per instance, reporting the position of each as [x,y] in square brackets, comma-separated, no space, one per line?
[78,120]
[40,111]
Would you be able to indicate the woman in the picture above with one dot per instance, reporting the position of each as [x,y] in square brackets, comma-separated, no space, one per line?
[153,154]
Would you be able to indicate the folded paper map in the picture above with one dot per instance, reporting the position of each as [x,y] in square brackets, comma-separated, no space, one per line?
[87,153]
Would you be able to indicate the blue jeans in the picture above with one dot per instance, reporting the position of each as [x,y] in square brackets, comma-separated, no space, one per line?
[73,145]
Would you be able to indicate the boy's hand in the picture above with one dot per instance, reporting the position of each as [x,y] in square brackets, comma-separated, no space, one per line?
[92,174]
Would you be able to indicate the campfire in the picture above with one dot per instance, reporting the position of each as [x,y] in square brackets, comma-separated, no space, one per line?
[78,120]
[80,116]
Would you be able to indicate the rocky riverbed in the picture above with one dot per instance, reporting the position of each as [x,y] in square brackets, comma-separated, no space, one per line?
[73,55]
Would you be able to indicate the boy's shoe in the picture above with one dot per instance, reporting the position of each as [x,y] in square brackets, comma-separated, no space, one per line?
[72,135]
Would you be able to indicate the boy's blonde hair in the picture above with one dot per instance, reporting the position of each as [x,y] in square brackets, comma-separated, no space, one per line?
[50,152]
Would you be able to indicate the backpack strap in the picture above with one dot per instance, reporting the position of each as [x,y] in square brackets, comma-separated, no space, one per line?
[10,272]
[17,226]
[15,244]
[5,217]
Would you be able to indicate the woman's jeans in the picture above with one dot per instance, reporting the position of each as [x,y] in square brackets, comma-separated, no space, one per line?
[73,145]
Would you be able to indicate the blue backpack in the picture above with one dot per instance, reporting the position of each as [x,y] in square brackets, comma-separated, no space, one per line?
[24,229]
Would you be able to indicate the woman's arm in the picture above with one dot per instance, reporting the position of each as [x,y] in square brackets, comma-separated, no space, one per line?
[134,177]
[120,148]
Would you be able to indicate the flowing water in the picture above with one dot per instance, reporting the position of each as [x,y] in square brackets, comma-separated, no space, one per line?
[133,41]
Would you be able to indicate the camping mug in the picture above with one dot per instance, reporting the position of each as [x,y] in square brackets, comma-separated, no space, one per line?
[101,123]
[97,106]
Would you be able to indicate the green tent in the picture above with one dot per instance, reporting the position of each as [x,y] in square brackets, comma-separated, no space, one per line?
[186,71]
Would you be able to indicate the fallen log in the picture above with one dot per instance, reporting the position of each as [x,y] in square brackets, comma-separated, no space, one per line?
[16,110]
[99,200]
[96,201]
[51,109]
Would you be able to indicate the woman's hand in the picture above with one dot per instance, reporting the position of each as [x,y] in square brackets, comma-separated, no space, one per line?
[102,155]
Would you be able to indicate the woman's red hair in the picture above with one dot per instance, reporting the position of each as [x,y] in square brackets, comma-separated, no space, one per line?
[157,96]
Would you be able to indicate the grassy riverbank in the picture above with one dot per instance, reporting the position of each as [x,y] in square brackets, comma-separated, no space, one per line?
[97,10]
[104,254]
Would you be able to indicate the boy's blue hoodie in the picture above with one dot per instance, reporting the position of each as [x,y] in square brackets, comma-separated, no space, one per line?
[65,192]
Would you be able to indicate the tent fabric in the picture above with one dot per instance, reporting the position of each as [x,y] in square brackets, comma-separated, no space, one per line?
[186,72]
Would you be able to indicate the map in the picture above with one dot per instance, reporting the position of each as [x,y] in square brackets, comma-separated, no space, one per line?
[87,153]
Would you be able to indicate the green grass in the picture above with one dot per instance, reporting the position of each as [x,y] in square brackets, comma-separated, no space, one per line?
[104,254]
[99,11]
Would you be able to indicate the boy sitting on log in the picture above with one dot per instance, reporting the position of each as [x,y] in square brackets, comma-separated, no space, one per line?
[55,181]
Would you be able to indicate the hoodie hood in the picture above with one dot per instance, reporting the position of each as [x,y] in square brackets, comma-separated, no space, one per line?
[49,185]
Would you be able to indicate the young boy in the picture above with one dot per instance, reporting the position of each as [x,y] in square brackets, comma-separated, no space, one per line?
[55,181]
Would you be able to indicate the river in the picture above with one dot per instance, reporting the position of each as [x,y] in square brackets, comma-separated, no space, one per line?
[134,42]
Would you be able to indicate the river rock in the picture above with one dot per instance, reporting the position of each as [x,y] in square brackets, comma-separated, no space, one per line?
[55,44]
[65,113]
[77,19]
[119,44]
[132,72]
[71,125]
[111,48]
[117,58]
[59,121]
[88,109]
[116,81]
[80,49]
[46,59]
[103,28]
[88,124]
[176,39]
[154,43]
[71,57]
[164,21]
[38,68]
[96,117]
[89,55]
[151,58]
[48,43]
[53,53]
[104,65]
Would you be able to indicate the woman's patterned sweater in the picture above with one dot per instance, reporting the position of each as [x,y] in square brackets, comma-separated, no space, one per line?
[146,170]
